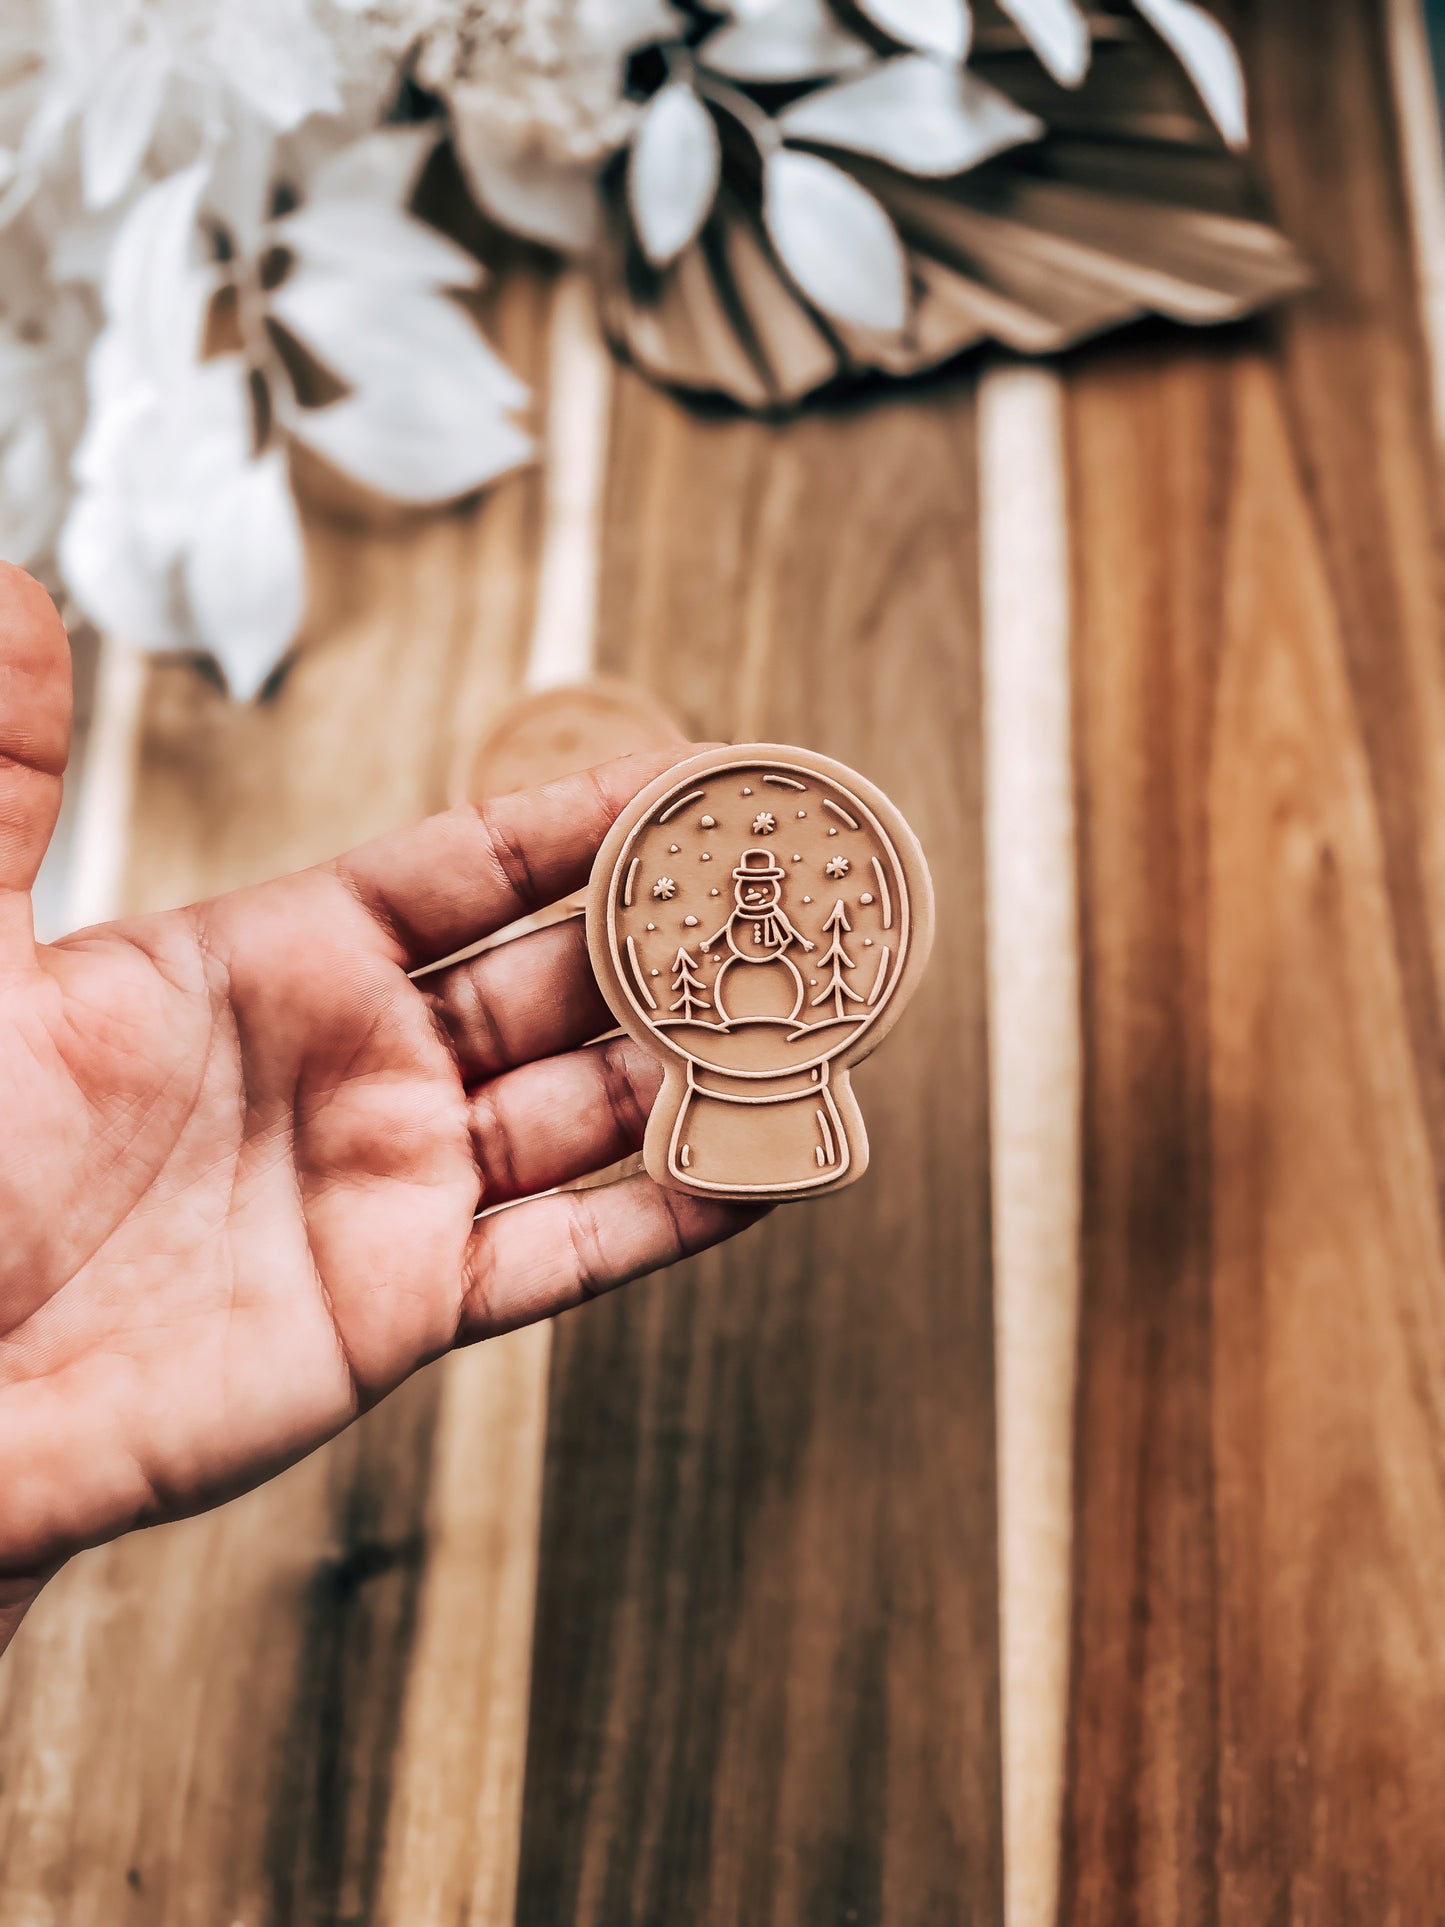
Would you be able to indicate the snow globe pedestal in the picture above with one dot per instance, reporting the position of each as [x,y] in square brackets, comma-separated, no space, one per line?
[792,1137]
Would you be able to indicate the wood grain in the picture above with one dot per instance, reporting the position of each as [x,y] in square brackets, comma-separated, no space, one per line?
[764,1685]
[453,1822]
[1259,1663]
[1035,1079]
[221,1721]
[1422,166]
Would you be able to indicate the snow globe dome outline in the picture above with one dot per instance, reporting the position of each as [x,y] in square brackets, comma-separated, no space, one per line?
[758,760]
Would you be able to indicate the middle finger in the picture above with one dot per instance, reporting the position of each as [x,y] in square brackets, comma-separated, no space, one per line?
[560,1118]
[532,997]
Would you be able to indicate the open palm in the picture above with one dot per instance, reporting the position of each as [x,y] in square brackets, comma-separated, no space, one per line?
[242,1152]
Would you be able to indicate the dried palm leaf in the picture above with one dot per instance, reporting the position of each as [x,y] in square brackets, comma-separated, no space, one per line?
[818,189]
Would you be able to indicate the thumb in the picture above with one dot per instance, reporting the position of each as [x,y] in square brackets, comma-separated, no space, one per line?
[34,737]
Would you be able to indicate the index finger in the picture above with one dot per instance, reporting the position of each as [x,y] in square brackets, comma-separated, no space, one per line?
[454,878]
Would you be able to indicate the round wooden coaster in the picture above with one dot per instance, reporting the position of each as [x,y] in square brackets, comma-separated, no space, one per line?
[554,731]
[759,916]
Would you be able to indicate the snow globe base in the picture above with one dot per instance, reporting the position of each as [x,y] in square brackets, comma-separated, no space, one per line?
[796,1135]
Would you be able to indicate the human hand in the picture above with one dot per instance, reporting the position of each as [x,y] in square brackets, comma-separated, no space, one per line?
[242,1151]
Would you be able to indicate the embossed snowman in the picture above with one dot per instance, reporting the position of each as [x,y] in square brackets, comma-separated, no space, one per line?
[758,934]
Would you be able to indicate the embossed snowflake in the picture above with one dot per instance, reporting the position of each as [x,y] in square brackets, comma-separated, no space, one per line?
[764,823]
[837,866]
[664,889]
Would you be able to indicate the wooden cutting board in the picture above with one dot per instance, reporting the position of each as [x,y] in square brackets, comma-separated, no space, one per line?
[690,1611]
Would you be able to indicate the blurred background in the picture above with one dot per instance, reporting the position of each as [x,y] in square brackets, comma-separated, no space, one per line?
[1037,406]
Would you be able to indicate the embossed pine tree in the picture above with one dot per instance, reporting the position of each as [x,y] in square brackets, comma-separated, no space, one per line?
[691,991]
[837,960]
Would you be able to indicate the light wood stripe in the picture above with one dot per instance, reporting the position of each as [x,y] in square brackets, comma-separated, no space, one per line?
[1418,112]
[579,398]
[1035,1094]
[450,1859]
[107,785]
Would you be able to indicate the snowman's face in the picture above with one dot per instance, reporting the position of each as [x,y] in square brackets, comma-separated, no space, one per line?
[758,896]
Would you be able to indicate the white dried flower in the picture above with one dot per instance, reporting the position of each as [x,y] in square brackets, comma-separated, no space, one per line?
[536,94]
[45,335]
[546,75]
[121,84]
[184,533]
[393,27]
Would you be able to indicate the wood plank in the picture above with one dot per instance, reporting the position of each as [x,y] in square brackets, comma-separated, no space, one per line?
[1258,1664]
[452,1825]
[765,1685]
[1035,1077]
[219,1721]
[1417,109]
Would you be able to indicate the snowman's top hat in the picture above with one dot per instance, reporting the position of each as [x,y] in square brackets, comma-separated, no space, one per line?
[756,865]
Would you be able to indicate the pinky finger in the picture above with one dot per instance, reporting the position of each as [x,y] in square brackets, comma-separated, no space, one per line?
[532,1260]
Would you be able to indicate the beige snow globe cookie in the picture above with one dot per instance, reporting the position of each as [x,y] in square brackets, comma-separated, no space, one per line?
[759,917]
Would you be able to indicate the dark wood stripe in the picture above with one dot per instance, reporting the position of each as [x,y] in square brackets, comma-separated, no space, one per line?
[1258,1701]
[331,1791]
[1144,1716]
[765,1675]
